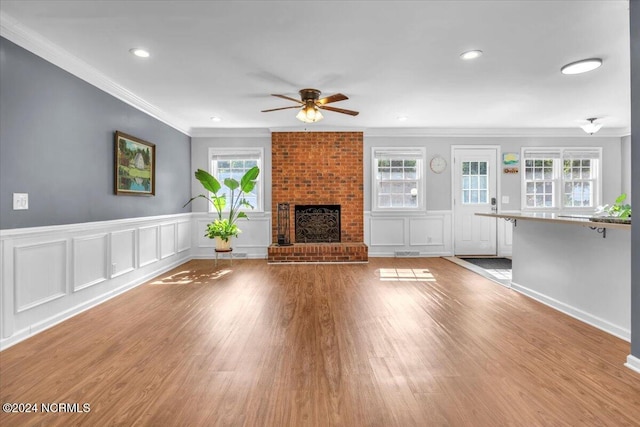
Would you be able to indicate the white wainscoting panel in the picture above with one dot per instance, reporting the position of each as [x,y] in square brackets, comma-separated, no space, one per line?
[252,242]
[408,234]
[426,231]
[147,245]
[388,232]
[167,240]
[40,273]
[184,236]
[48,274]
[90,260]
[123,252]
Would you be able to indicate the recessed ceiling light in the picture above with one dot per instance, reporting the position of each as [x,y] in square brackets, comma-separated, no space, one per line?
[215,119]
[471,54]
[139,52]
[581,66]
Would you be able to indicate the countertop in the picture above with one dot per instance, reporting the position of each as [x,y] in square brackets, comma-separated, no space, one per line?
[568,218]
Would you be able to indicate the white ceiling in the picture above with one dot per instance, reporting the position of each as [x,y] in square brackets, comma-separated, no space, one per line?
[391,58]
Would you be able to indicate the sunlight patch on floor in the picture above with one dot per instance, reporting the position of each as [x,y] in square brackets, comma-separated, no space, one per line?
[187,277]
[405,274]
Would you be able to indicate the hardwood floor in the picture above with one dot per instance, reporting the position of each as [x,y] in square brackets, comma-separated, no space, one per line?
[396,342]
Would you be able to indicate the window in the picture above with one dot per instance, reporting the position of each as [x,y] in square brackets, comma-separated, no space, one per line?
[475,182]
[398,178]
[234,164]
[561,178]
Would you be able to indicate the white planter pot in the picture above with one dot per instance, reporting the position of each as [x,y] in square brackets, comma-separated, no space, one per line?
[223,245]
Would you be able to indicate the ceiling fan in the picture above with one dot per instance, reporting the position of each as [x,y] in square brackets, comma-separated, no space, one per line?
[310,105]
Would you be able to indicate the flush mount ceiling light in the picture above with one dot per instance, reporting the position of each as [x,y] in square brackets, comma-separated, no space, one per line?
[215,119]
[139,52]
[403,118]
[582,66]
[471,54]
[591,127]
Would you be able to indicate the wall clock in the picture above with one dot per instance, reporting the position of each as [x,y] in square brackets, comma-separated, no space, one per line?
[438,164]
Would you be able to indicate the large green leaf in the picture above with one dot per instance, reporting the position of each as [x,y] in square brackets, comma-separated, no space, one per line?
[220,202]
[621,198]
[248,181]
[208,181]
[231,183]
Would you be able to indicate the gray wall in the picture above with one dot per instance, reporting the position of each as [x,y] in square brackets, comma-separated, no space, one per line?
[200,160]
[56,143]
[635,172]
[439,185]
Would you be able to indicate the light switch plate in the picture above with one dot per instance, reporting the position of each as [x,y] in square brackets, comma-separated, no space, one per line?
[505,200]
[20,201]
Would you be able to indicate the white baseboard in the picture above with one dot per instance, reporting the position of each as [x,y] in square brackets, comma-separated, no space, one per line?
[576,313]
[633,363]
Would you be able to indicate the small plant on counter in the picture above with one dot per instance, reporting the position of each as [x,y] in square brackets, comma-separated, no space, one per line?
[618,210]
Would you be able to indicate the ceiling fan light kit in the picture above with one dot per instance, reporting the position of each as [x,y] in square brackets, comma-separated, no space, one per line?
[310,105]
[591,127]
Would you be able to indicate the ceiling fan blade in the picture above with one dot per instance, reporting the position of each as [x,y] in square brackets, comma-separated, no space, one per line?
[282,108]
[339,110]
[333,98]
[288,98]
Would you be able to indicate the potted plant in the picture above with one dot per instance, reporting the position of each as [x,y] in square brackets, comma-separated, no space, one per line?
[618,212]
[224,227]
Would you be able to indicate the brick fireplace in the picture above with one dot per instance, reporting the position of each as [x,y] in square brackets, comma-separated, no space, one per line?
[319,168]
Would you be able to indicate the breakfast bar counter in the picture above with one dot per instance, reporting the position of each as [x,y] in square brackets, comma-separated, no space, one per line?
[575,264]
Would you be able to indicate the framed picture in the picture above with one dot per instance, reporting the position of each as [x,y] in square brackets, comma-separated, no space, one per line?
[135,166]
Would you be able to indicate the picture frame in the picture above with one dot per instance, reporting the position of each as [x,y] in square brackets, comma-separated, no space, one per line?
[134,166]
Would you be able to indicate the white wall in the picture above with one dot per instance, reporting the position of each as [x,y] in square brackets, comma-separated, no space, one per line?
[387,234]
[576,270]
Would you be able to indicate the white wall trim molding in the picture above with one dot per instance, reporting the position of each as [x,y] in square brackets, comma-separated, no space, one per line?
[633,363]
[30,40]
[88,226]
[253,242]
[49,274]
[394,234]
[574,312]
[492,132]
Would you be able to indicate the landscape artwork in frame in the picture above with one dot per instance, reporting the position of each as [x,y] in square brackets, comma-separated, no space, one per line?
[135,166]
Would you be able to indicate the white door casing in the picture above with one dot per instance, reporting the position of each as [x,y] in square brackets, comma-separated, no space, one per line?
[474,188]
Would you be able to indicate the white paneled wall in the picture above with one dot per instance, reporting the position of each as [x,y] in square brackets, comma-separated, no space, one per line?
[426,234]
[251,243]
[51,273]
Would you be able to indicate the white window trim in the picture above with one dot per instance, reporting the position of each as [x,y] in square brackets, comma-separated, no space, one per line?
[421,179]
[558,195]
[241,152]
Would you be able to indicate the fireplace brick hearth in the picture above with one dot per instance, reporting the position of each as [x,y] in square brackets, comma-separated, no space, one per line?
[319,168]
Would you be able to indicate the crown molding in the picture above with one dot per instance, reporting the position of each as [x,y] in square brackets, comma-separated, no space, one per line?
[14,31]
[495,132]
[230,133]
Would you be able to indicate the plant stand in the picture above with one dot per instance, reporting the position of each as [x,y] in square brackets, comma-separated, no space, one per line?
[225,251]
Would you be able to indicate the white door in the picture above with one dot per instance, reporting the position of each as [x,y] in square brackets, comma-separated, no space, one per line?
[474,190]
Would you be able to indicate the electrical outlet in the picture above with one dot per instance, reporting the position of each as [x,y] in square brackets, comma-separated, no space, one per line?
[20,201]
[113,268]
[505,200]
